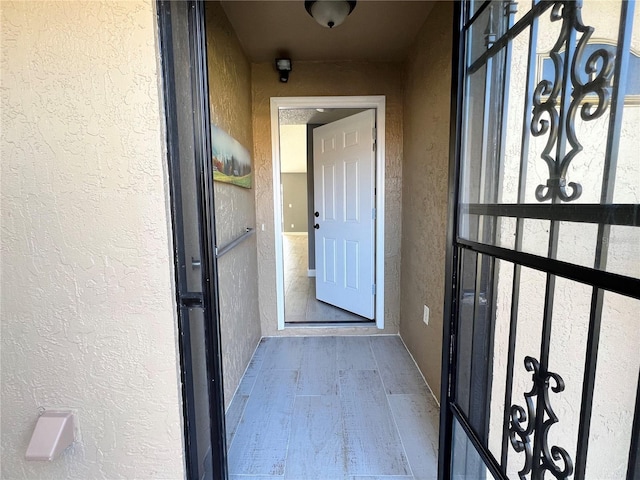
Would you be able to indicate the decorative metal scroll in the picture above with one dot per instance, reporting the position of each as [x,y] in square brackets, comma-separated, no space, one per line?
[550,115]
[538,417]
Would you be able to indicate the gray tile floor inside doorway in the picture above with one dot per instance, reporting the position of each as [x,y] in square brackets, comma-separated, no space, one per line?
[332,408]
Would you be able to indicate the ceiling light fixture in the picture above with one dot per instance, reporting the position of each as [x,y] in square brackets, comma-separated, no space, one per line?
[329,13]
[283,65]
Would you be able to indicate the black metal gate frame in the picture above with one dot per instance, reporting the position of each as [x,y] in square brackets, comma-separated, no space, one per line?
[208,300]
[604,215]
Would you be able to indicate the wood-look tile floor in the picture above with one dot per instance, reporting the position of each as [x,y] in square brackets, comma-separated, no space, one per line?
[300,304]
[325,408]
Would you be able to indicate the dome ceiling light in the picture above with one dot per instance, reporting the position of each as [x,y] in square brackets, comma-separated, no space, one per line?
[329,13]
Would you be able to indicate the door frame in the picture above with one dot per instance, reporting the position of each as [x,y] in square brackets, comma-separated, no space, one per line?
[447,380]
[377,102]
[208,299]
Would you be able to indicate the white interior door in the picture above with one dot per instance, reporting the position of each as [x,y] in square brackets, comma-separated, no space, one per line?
[344,179]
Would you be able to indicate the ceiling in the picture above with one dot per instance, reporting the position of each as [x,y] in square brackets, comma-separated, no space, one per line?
[375,31]
[302,116]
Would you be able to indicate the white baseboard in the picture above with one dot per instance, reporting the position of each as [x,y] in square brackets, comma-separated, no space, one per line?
[311,273]
[296,233]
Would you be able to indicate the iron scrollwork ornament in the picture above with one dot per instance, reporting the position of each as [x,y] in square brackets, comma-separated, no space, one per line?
[538,418]
[549,113]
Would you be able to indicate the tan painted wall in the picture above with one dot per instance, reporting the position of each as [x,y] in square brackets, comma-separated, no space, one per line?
[424,190]
[327,79]
[230,100]
[88,309]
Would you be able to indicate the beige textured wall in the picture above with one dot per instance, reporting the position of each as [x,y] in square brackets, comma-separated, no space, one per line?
[88,312]
[424,188]
[327,79]
[230,100]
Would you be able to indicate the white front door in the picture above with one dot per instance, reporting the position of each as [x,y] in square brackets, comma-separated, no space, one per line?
[344,179]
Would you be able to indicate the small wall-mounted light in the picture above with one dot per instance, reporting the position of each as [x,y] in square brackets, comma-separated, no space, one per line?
[283,65]
[329,13]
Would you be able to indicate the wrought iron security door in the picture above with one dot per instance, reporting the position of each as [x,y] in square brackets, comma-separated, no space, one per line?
[541,370]
[181,31]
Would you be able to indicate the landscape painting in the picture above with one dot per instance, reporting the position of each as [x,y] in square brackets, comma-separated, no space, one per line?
[231,161]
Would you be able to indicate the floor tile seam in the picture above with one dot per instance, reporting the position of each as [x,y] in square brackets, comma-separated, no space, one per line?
[422,396]
[401,439]
[375,359]
[360,370]
[343,425]
[404,449]
[293,408]
[255,350]
[393,417]
[335,362]
[283,369]
[420,371]
[253,475]
[333,324]
[244,409]
[340,392]
[355,370]
[406,394]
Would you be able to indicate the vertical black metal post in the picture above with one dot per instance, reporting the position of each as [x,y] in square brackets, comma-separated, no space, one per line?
[480,382]
[193,43]
[633,468]
[608,183]
[447,381]
[522,184]
[569,13]
[184,345]
[208,239]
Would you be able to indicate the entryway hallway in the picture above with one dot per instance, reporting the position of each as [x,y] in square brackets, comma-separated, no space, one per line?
[324,408]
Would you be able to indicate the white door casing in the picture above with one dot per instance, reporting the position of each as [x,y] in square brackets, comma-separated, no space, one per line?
[376,102]
[344,179]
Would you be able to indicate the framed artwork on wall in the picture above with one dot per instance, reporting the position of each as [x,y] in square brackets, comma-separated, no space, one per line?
[231,161]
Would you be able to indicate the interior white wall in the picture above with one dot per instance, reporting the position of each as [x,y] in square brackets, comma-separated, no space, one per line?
[293,148]
[88,314]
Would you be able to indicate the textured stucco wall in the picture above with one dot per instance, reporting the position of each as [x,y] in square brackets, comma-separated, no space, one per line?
[88,313]
[424,190]
[230,100]
[327,79]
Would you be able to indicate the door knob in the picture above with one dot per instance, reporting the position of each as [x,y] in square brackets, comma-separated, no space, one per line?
[317,214]
[316,226]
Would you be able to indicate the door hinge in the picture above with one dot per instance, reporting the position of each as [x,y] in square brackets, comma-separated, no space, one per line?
[373,289]
[373,214]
